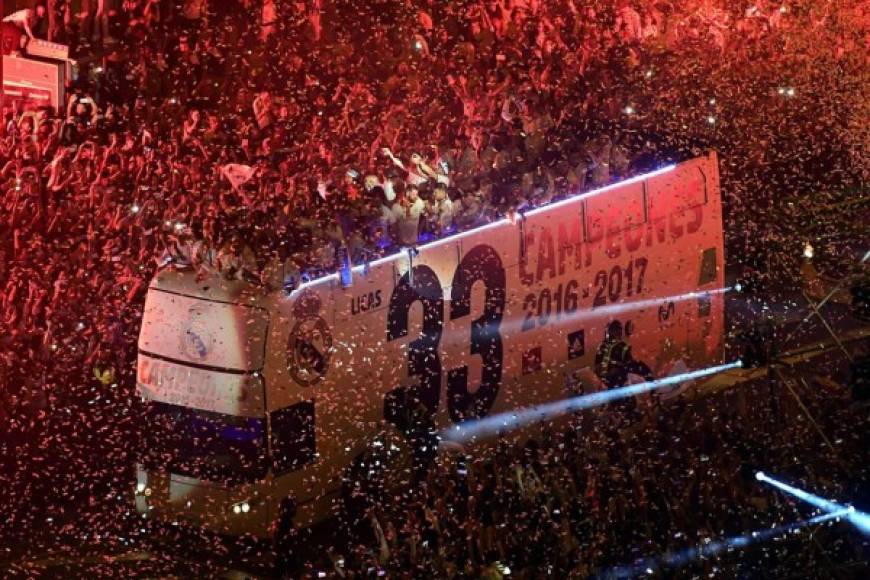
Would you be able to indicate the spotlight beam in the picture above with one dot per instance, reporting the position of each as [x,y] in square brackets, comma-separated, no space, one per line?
[612,310]
[471,430]
[857,518]
[683,557]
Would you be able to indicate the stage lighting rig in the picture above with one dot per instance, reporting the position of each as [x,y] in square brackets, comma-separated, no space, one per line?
[759,348]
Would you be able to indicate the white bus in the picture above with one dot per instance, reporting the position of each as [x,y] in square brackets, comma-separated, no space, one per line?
[257,395]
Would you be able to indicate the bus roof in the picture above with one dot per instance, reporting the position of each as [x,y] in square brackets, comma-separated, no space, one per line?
[496,223]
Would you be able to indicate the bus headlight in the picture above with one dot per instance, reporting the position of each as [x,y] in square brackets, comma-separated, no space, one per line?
[143,489]
[241,507]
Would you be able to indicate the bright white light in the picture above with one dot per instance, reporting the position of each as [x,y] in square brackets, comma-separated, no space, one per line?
[710,548]
[808,250]
[418,45]
[600,190]
[790,91]
[781,90]
[711,120]
[503,422]
[179,226]
[628,110]
[619,308]
[494,224]
[649,73]
[712,101]
[246,507]
[759,475]
[134,208]
[237,509]
[857,518]
[140,487]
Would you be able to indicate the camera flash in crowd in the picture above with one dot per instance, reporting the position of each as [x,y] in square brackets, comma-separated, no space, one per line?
[628,110]
[808,250]
[134,209]
[711,120]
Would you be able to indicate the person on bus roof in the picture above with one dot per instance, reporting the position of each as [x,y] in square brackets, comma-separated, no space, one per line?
[29,19]
[614,361]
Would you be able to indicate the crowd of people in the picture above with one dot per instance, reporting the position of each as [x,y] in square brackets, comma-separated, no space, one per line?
[593,500]
[233,136]
[226,141]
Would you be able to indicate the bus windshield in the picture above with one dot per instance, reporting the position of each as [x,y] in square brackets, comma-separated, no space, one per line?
[205,445]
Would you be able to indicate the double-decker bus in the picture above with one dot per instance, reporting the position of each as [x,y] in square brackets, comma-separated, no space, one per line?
[254,395]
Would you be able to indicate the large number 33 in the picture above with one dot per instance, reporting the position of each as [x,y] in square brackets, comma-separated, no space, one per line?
[481,264]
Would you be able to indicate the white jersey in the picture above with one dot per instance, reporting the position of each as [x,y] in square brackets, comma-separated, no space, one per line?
[407,220]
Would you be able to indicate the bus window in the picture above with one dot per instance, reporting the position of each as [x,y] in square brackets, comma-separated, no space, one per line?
[205,445]
[190,330]
[293,443]
[709,270]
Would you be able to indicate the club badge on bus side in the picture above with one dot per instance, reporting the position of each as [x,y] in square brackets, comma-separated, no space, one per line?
[309,347]
[196,339]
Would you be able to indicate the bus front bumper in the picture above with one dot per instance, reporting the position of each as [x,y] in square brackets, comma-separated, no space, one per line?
[179,500]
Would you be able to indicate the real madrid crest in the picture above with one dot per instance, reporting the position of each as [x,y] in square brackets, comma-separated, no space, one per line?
[309,346]
[196,339]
